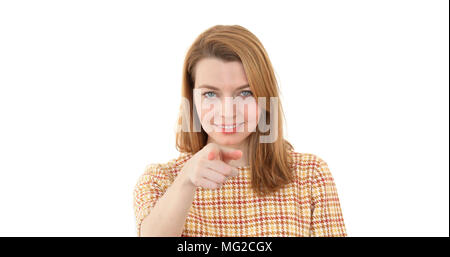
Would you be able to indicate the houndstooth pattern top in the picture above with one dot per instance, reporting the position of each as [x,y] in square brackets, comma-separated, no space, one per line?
[309,206]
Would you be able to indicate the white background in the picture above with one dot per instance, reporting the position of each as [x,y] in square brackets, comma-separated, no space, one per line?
[90,93]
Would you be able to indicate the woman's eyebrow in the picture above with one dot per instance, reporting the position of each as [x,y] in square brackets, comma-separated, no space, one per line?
[215,88]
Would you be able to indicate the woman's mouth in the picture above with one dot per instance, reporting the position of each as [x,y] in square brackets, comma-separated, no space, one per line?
[228,128]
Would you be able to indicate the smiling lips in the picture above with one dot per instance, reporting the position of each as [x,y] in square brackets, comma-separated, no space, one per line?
[226,128]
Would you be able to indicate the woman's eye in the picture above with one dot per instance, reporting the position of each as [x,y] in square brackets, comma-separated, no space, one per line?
[209,94]
[246,93]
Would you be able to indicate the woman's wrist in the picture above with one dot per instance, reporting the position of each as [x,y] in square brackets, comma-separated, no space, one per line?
[184,180]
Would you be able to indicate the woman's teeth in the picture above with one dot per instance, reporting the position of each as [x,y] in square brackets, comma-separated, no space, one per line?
[227,127]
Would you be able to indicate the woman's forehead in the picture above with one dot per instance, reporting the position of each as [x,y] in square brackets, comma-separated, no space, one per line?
[227,76]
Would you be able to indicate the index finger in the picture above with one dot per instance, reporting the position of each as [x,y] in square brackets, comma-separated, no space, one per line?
[228,156]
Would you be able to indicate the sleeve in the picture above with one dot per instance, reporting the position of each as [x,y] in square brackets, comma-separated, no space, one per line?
[149,188]
[326,214]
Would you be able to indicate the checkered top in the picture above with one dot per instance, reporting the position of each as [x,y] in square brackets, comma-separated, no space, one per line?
[309,206]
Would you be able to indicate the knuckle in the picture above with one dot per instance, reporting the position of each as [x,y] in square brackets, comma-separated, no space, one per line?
[201,162]
[226,171]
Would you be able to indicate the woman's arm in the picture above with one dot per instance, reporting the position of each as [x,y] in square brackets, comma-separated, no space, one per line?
[169,214]
[162,206]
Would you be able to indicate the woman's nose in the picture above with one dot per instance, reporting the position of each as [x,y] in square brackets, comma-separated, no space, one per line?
[227,110]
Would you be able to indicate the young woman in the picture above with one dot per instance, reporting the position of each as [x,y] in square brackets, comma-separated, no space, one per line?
[231,177]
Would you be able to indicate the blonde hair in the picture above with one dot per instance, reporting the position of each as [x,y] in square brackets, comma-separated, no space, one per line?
[269,162]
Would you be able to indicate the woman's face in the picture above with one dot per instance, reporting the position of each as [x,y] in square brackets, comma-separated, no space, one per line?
[225,104]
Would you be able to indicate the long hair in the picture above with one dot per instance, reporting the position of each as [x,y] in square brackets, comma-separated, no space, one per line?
[269,162]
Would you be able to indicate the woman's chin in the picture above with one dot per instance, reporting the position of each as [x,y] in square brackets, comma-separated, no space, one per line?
[234,139]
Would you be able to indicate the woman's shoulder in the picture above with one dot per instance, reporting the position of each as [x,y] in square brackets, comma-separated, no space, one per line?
[306,162]
[300,158]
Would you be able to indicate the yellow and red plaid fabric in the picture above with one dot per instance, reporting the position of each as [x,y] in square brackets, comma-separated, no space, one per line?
[309,206]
